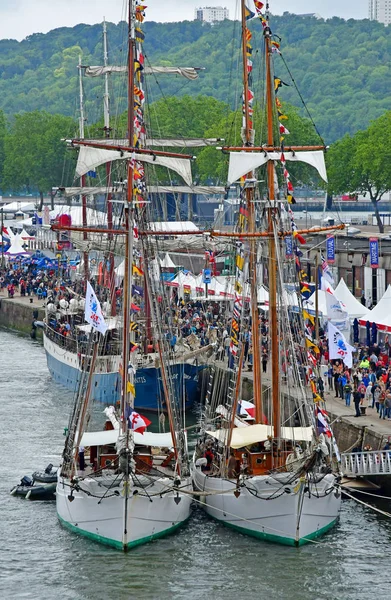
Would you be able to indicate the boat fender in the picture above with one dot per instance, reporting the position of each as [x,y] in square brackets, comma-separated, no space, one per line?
[28,495]
[201,462]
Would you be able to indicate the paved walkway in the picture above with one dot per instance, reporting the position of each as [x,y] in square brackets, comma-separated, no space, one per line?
[23,300]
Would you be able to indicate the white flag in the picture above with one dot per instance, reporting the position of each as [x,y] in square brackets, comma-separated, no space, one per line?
[338,346]
[334,307]
[93,311]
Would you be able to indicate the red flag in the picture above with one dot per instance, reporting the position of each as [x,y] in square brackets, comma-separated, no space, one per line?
[138,423]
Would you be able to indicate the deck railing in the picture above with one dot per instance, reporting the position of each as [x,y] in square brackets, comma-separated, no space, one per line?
[356,464]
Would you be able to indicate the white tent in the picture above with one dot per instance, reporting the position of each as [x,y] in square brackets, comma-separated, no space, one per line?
[26,236]
[167,262]
[25,207]
[16,248]
[381,314]
[353,307]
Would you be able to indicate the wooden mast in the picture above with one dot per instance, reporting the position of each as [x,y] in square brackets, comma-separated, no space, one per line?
[249,191]
[273,324]
[107,129]
[125,397]
[83,177]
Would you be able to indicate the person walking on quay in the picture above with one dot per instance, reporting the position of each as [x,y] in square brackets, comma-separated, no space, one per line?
[336,382]
[348,393]
[387,405]
[357,402]
[382,407]
[264,360]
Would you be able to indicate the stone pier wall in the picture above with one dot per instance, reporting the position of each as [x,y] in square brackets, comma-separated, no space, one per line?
[19,315]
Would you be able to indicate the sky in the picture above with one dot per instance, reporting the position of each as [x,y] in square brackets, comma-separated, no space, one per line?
[20,18]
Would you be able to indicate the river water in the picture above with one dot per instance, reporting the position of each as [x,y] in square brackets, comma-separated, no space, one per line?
[39,559]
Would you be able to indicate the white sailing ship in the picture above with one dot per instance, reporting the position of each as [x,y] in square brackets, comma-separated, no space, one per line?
[278,478]
[124,486]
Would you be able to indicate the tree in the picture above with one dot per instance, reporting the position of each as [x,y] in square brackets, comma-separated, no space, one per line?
[362,163]
[3,131]
[34,152]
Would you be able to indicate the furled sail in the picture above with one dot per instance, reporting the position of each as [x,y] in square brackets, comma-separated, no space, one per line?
[188,72]
[89,158]
[69,192]
[241,163]
[165,142]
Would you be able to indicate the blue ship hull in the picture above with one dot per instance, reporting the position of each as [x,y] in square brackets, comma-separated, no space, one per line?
[106,386]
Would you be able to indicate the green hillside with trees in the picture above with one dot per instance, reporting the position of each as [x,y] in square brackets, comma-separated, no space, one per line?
[342,68]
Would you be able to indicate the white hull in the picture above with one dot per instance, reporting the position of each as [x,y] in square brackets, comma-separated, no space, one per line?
[267,510]
[105,521]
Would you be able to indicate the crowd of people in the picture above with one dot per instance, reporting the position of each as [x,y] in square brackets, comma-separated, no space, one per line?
[367,385]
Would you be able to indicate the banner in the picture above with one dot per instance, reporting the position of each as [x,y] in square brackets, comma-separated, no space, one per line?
[207,276]
[374,252]
[338,346]
[330,249]
[289,246]
[93,312]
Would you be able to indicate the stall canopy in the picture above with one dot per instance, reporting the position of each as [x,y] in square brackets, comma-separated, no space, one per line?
[381,314]
[353,307]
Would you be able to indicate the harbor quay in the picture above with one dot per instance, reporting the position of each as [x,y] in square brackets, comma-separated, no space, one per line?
[20,313]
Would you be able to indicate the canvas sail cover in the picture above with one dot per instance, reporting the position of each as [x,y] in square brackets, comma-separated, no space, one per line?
[90,158]
[187,72]
[252,434]
[241,163]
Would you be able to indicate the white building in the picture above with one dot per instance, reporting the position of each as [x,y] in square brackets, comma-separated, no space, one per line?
[210,14]
[380,10]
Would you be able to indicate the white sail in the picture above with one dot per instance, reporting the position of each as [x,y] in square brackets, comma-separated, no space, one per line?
[187,72]
[241,163]
[89,158]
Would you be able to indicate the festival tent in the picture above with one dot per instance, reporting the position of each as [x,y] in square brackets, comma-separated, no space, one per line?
[167,262]
[353,307]
[16,248]
[26,236]
[381,313]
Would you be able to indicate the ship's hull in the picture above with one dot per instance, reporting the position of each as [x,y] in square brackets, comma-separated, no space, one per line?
[148,516]
[272,508]
[65,368]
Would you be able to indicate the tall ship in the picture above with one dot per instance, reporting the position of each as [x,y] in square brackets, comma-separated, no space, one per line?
[65,331]
[277,477]
[120,484]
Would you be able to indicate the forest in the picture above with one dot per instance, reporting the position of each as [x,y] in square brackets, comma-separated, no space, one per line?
[341,68]
[337,77]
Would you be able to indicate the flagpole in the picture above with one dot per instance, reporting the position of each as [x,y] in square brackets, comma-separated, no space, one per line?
[317,297]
